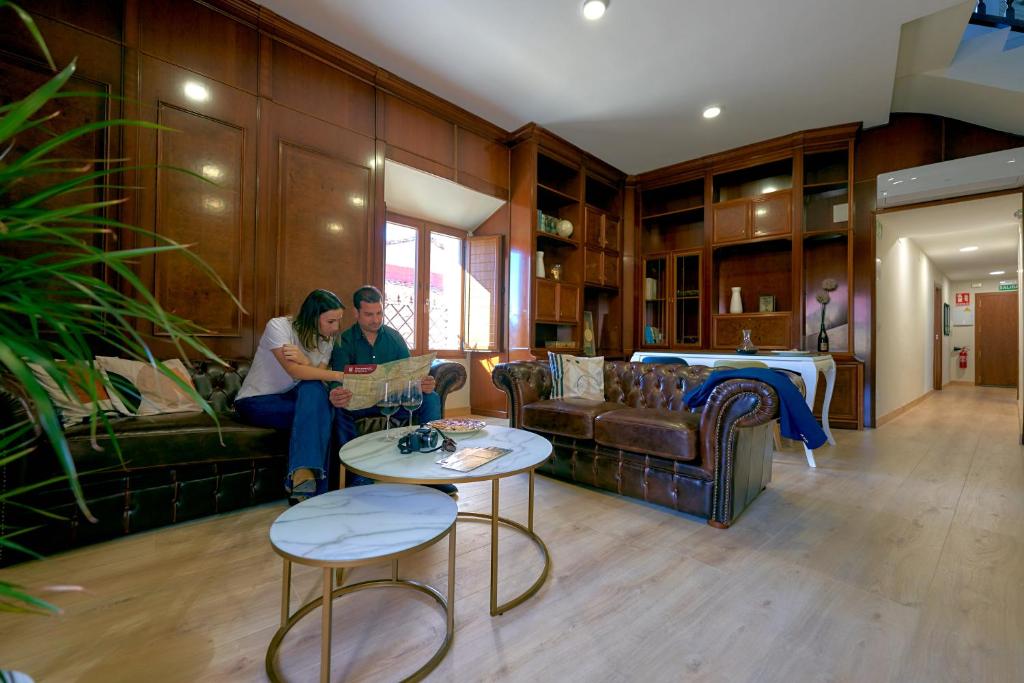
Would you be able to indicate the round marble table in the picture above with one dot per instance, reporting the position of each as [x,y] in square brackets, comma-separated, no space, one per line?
[372,456]
[359,526]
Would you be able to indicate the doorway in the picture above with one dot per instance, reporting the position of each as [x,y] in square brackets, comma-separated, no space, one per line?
[995,339]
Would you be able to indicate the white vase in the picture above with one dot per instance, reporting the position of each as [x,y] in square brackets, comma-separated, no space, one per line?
[539,267]
[736,303]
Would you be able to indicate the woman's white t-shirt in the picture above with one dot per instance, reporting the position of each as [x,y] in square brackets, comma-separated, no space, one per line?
[266,376]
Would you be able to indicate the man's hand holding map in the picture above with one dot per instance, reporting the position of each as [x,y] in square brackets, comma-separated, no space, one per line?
[364,380]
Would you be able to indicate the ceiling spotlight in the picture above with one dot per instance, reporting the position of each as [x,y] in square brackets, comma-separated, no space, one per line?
[968,249]
[998,272]
[594,9]
[712,112]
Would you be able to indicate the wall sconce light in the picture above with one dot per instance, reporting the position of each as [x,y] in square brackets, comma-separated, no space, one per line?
[196,91]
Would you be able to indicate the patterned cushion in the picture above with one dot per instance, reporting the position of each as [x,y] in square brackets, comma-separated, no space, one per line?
[575,377]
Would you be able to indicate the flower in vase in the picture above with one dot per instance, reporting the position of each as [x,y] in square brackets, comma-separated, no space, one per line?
[829,285]
[823,298]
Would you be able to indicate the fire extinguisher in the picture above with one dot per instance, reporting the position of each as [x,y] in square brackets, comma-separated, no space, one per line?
[963,358]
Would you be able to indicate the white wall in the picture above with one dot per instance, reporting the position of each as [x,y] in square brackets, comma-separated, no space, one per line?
[964,336]
[906,282]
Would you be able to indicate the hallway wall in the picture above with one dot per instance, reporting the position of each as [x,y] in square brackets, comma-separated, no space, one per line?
[905,282]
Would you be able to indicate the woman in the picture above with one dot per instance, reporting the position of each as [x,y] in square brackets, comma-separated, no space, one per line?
[285,388]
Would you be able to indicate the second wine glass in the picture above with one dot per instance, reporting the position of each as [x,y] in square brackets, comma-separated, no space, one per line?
[388,401]
[412,398]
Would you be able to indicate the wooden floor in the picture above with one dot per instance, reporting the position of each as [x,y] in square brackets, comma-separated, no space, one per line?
[900,558]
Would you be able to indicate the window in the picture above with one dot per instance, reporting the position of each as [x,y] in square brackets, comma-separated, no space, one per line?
[454,307]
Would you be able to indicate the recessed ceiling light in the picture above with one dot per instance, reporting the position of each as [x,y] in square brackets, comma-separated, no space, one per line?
[196,91]
[998,272]
[594,9]
[968,249]
[712,112]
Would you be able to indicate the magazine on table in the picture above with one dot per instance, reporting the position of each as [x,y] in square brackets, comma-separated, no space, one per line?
[467,459]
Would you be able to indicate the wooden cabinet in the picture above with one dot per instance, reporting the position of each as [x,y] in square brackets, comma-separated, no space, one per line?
[767,330]
[556,302]
[768,215]
[846,409]
[553,182]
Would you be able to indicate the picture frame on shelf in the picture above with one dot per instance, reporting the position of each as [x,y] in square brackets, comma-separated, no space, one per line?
[766,303]
[589,348]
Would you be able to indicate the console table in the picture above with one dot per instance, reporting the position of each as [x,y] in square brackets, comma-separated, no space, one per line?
[807,365]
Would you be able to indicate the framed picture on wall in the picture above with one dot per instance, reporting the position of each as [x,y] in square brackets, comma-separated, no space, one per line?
[945,319]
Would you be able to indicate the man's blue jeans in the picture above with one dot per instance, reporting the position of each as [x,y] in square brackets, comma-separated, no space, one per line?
[430,410]
[305,410]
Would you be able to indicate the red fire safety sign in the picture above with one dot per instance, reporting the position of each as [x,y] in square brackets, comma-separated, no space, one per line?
[963,298]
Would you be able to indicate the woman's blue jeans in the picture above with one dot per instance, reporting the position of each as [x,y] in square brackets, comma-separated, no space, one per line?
[305,410]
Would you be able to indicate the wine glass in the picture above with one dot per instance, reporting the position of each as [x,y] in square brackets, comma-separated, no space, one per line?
[412,398]
[388,401]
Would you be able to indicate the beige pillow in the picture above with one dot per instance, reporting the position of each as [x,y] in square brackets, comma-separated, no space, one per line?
[576,377]
[159,393]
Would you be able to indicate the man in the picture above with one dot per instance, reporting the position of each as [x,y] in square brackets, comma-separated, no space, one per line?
[370,342]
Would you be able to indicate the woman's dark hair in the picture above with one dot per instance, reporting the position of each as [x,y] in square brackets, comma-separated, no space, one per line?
[307,321]
[368,294]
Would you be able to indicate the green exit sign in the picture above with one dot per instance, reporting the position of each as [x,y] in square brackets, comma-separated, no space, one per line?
[1007,286]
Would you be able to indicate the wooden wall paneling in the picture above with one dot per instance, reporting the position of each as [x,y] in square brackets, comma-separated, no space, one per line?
[908,140]
[483,159]
[961,139]
[102,18]
[521,278]
[317,226]
[767,330]
[796,211]
[215,138]
[307,84]
[23,69]
[418,132]
[201,39]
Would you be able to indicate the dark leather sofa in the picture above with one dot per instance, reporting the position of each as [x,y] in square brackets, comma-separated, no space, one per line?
[175,467]
[641,441]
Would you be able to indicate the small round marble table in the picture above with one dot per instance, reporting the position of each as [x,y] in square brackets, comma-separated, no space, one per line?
[354,527]
[372,456]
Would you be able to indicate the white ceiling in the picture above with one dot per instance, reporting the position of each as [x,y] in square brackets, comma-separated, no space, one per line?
[630,88]
[940,231]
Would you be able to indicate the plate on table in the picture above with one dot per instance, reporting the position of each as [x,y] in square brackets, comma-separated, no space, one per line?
[456,427]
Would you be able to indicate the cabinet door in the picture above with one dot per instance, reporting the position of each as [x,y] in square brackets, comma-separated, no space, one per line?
[593,268]
[610,269]
[611,233]
[546,300]
[593,233]
[568,303]
[731,221]
[847,396]
[771,215]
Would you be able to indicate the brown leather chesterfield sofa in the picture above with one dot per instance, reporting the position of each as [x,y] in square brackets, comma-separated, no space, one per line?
[641,441]
[175,467]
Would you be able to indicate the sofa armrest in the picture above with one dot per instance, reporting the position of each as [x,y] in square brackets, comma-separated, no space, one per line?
[523,381]
[733,404]
[448,376]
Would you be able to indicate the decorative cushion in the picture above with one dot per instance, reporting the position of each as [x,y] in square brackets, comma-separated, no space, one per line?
[573,417]
[158,393]
[78,405]
[572,376]
[661,432]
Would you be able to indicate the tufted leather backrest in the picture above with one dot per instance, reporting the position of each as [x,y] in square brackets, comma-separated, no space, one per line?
[219,384]
[651,385]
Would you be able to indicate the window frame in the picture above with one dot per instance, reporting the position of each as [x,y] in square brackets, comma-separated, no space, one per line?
[422,289]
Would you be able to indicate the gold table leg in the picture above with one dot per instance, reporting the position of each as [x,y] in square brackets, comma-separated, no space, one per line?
[495,519]
[325,628]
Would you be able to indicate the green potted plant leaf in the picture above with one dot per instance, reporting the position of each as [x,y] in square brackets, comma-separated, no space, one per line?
[61,294]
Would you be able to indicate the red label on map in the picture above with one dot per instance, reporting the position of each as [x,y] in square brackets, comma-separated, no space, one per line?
[360,369]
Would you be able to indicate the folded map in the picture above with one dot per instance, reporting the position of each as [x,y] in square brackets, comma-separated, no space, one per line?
[365,386]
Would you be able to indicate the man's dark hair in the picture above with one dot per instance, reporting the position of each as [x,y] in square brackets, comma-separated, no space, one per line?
[367,293]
